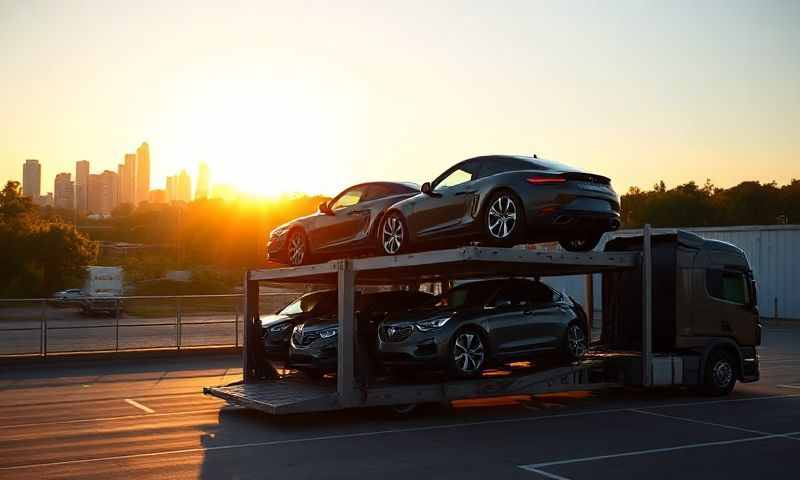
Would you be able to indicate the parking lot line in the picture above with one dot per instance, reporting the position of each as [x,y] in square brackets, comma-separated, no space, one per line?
[536,467]
[139,406]
[425,428]
[701,422]
[109,419]
[788,386]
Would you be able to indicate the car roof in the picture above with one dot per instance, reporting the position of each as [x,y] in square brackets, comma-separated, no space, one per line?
[407,185]
[536,163]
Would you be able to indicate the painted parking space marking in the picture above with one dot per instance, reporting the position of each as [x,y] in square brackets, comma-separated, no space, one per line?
[537,467]
[788,386]
[139,406]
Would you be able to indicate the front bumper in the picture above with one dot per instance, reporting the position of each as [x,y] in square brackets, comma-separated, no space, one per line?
[320,354]
[276,247]
[421,349]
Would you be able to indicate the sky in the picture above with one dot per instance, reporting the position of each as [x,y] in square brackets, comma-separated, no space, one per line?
[310,96]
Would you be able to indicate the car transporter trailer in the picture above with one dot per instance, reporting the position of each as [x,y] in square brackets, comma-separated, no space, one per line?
[262,388]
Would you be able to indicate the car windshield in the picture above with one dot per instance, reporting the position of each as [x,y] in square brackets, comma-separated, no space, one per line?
[469,295]
[320,302]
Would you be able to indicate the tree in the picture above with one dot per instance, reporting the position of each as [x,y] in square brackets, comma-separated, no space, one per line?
[37,255]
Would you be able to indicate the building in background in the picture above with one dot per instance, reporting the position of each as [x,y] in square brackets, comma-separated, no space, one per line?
[157,197]
[142,177]
[103,192]
[44,200]
[82,186]
[203,178]
[64,191]
[127,179]
[32,179]
[179,187]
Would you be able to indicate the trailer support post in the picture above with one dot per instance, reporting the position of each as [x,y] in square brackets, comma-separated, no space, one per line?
[589,306]
[345,373]
[254,362]
[647,306]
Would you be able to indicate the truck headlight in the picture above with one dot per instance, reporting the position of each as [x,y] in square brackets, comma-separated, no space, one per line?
[327,333]
[425,325]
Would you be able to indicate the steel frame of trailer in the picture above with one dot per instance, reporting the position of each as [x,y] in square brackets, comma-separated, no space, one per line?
[262,388]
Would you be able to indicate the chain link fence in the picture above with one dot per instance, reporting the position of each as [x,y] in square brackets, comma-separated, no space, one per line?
[41,327]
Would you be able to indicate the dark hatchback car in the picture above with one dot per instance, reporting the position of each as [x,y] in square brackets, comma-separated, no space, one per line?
[314,343]
[277,328]
[347,224]
[504,200]
[478,324]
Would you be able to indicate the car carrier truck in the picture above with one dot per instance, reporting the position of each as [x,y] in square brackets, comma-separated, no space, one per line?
[678,310]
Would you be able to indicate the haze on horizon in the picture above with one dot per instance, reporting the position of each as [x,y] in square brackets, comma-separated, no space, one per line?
[307,96]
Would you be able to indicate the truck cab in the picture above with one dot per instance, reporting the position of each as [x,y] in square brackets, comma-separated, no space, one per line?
[705,326]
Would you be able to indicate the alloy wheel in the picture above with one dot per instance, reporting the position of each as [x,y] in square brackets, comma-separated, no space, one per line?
[297,248]
[468,352]
[722,373]
[392,235]
[576,341]
[502,217]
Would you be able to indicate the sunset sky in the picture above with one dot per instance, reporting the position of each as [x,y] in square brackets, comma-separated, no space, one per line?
[311,96]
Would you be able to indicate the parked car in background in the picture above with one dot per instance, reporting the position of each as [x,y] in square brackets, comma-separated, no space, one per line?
[504,200]
[482,323]
[277,328]
[345,225]
[67,298]
[314,344]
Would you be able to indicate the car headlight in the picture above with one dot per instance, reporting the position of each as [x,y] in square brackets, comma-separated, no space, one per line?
[425,325]
[278,232]
[280,328]
[327,333]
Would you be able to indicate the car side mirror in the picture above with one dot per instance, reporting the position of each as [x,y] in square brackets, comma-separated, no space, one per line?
[325,208]
[426,188]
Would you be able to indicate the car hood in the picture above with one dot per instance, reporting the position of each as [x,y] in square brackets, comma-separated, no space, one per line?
[301,220]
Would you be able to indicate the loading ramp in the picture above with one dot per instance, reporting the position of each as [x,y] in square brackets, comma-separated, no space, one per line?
[263,388]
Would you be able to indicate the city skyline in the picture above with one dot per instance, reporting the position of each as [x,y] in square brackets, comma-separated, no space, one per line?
[636,91]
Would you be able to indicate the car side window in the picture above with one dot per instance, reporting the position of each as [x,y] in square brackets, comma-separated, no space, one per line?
[375,192]
[348,198]
[539,293]
[728,285]
[510,296]
[466,172]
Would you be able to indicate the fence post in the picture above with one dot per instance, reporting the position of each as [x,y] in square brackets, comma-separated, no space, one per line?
[43,331]
[236,327]
[116,326]
[178,324]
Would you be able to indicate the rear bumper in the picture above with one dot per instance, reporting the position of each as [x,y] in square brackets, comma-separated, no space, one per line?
[556,223]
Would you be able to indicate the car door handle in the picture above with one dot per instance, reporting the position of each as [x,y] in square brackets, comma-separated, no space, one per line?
[465,192]
[357,212]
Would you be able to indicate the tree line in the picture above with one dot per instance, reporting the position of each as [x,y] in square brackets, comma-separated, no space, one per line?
[691,205]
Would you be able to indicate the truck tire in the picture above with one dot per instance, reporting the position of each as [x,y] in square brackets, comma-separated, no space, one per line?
[719,374]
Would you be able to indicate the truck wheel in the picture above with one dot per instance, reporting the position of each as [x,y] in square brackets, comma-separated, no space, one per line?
[719,375]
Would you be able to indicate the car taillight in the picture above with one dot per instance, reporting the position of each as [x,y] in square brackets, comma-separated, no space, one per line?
[545,180]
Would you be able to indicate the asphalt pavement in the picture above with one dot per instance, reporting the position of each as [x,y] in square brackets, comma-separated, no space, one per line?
[148,419]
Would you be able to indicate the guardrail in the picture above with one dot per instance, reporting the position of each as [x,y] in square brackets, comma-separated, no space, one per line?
[46,326]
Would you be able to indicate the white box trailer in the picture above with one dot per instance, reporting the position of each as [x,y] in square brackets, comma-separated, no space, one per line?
[101,289]
[263,388]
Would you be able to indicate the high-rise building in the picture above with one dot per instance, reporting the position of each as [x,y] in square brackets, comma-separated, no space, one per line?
[127,179]
[103,192]
[179,187]
[184,186]
[202,181]
[142,174]
[44,200]
[82,186]
[32,179]
[64,191]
